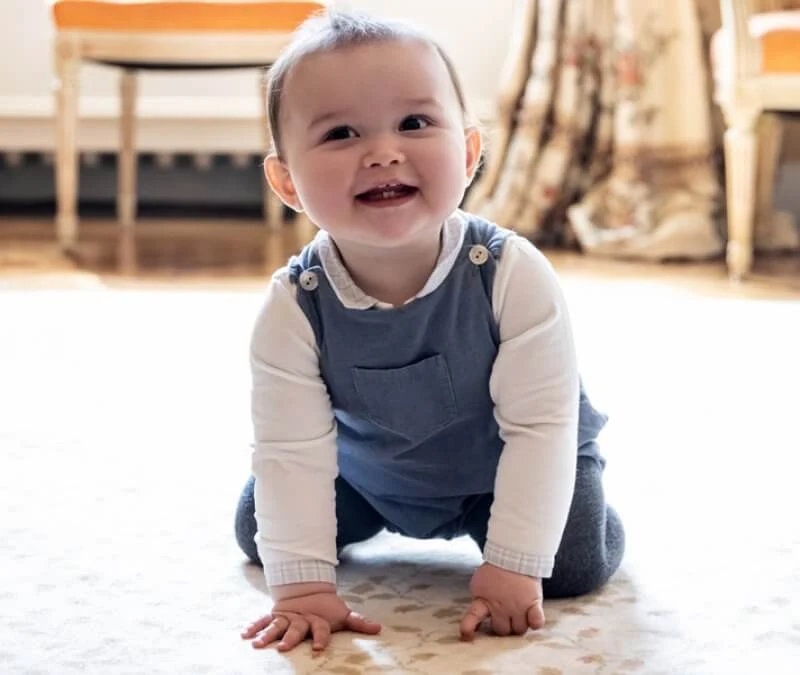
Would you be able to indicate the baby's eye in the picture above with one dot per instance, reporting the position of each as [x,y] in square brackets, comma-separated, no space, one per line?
[414,123]
[339,134]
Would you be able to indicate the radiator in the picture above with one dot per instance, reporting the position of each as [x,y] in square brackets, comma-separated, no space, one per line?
[232,181]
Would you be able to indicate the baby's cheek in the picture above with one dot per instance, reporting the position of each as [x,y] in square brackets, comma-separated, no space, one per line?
[324,200]
[314,184]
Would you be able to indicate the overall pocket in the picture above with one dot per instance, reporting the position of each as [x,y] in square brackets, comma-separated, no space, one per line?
[413,401]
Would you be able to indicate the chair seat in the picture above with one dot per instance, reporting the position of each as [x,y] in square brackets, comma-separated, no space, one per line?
[190,16]
[779,36]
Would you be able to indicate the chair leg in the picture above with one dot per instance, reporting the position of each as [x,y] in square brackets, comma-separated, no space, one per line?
[127,261]
[770,134]
[66,164]
[773,230]
[273,207]
[126,173]
[741,158]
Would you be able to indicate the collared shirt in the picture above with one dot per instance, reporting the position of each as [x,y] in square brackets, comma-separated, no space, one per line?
[295,431]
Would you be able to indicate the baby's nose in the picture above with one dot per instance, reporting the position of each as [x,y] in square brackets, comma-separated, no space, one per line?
[383,154]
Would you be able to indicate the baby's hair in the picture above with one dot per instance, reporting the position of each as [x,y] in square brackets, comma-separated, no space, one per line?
[334,29]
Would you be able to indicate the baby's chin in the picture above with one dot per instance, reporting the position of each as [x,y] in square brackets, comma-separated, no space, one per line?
[387,233]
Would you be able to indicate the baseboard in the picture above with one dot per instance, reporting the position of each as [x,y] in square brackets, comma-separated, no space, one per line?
[204,124]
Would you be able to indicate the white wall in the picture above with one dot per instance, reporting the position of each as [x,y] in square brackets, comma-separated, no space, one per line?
[209,112]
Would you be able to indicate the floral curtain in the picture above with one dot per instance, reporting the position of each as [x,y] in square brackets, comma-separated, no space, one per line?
[608,137]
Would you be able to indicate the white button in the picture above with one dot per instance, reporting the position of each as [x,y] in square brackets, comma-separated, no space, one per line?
[478,254]
[309,281]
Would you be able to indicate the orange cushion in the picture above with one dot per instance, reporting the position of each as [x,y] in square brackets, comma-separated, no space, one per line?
[102,15]
[779,35]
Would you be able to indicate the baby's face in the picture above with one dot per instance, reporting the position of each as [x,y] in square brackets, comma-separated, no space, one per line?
[375,146]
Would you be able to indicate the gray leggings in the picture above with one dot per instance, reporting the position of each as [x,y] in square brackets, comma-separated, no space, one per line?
[590,552]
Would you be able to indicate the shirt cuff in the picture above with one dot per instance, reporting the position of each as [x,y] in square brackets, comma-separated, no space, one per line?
[299,572]
[540,566]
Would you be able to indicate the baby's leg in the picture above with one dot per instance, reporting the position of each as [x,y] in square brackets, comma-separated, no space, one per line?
[593,542]
[245,525]
[356,519]
[594,539]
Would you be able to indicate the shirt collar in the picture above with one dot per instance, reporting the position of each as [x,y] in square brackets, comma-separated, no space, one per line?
[352,297]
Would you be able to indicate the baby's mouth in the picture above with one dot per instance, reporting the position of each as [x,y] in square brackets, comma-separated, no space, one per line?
[387,192]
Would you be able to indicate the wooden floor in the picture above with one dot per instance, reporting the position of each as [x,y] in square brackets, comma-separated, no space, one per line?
[238,252]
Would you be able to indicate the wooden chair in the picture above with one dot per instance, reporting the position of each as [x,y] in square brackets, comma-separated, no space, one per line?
[151,34]
[756,59]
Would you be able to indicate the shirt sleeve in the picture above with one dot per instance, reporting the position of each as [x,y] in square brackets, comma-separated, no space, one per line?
[294,450]
[535,389]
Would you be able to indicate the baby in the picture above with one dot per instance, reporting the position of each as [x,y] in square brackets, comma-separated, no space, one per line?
[414,367]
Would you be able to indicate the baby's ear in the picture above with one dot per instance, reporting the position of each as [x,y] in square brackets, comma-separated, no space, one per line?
[280,180]
[474,143]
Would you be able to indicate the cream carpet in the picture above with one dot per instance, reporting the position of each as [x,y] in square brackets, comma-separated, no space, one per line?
[124,437]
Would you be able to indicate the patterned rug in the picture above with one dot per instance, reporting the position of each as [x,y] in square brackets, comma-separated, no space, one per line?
[124,438]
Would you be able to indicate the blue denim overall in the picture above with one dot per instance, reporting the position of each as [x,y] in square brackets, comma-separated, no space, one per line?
[418,445]
[417,437]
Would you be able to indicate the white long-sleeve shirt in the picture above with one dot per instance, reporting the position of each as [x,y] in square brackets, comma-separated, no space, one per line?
[534,386]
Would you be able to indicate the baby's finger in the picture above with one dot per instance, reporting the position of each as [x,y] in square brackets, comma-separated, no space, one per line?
[477,612]
[536,616]
[272,633]
[256,627]
[294,635]
[519,624]
[320,632]
[358,624]
[501,624]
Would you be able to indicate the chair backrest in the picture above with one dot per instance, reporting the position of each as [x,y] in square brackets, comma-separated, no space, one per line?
[775,5]
[744,50]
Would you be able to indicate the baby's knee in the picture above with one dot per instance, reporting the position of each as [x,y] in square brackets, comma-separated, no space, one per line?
[575,575]
[571,583]
[245,527]
[588,556]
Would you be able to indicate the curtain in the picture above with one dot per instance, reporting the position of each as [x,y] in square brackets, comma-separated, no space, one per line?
[607,136]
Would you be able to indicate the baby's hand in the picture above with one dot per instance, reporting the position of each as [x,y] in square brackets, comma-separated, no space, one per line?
[317,615]
[513,601]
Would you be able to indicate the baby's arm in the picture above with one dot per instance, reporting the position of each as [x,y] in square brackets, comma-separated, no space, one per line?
[294,449]
[294,464]
[535,389]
